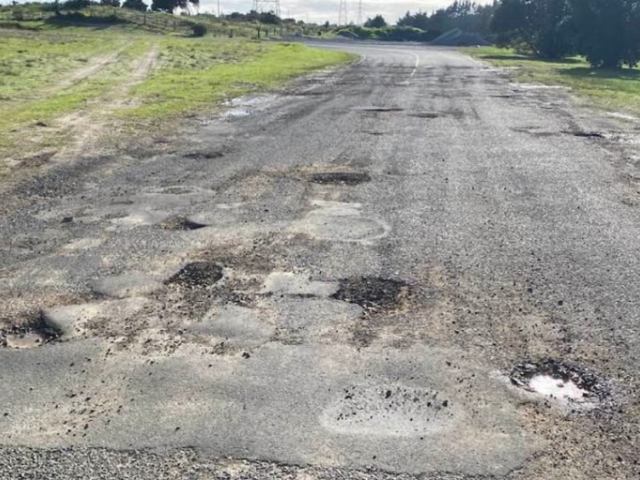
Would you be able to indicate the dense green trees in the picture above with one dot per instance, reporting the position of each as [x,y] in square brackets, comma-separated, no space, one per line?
[544,26]
[376,22]
[170,5]
[463,14]
[606,32]
[135,5]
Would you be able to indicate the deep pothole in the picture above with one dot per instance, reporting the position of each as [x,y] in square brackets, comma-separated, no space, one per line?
[340,178]
[29,333]
[180,223]
[373,293]
[197,275]
[553,379]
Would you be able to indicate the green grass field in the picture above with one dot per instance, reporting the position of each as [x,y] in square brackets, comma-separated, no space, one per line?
[614,90]
[130,75]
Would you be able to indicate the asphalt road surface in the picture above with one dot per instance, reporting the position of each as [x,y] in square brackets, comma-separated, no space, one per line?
[407,268]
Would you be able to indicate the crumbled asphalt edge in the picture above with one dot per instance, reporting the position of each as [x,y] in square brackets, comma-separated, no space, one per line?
[103,464]
[37,324]
[585,379]
[197,275]
[340,178]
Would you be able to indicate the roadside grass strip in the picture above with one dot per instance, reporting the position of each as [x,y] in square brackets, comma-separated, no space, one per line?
[613,90]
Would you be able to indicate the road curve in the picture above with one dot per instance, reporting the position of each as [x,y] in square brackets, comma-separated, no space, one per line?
[407,268]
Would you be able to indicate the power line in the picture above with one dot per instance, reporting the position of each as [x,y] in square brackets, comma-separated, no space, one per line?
[360,17]
[267,6]
[343,17]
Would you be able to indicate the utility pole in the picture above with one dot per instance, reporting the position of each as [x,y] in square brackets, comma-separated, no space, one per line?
[360,17]
[218,8]
[267,6]
[342,14]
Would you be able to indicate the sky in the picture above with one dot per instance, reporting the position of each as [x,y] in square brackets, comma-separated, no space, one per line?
[319,11]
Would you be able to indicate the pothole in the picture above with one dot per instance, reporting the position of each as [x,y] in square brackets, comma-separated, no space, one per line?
[596,135]
[180,223]
[389,410]
[204,154]
[564,383]
[375,109]
[428,115]
[340,178]
[197,275]
[373,293]
[30,333]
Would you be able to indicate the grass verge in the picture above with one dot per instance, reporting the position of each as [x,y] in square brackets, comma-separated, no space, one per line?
[198,74]
[613,90]
[48,74]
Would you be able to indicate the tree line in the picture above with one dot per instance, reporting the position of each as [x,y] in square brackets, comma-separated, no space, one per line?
[606,32]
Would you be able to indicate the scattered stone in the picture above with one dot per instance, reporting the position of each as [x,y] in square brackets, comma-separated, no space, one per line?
[340,178]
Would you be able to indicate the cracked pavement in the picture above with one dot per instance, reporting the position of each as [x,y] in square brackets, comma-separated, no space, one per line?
[335,281]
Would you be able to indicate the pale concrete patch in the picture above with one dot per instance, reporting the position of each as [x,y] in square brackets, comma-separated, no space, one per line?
[287,283]
[234,325]
[132,284]
[71,320]
[339,221]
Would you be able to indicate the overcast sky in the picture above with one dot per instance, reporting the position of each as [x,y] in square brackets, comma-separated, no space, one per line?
[323,10]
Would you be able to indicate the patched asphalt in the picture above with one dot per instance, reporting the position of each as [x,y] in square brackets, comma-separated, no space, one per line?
[357,278]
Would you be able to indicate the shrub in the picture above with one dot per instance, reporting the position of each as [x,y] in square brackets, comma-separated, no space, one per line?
[199,30]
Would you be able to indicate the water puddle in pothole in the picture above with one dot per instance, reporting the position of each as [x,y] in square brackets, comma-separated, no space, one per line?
[237,113]
[555,380]
[249,101]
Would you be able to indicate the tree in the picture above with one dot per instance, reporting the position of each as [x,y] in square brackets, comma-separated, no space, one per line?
[76,4]
[545,26]
[376,22]
[170,5]
[135,5]
[110,3]
[608,31]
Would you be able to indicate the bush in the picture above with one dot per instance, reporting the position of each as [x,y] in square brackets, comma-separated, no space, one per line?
[608,33]
[199,30]
[389,34]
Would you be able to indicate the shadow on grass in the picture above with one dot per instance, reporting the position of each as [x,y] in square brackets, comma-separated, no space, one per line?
[531,59]
[626,74]
[79,20]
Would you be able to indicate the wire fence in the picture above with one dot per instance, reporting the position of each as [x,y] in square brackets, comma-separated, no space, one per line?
[155,21]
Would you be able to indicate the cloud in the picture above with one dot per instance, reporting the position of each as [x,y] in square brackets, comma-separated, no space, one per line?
[322,10]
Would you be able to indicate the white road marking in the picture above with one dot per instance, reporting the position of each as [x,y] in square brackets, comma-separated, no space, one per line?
[415,68]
